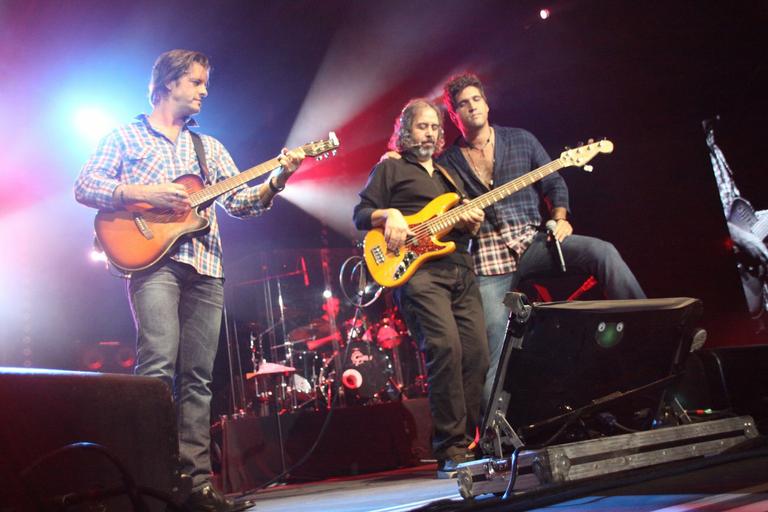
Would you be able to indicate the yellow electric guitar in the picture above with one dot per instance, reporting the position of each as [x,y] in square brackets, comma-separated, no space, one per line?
[139,236]
[438,217]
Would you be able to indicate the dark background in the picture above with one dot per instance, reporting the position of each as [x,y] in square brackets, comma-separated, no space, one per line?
[644,75]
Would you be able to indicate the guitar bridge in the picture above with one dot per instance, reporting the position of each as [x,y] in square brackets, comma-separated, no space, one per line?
[141,225]
[378,255]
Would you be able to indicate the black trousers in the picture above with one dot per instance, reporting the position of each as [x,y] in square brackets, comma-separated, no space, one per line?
[441,305]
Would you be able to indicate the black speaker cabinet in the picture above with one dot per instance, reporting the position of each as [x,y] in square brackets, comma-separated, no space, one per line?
[610,361]
[45,410]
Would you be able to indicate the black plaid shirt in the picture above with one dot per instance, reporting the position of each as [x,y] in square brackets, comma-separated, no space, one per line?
[511,223]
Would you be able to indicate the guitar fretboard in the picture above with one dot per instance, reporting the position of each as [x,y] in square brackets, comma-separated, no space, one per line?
[311,149]
[222,187]
[452,217]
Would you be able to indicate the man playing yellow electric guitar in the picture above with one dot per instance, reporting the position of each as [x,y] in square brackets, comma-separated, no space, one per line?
[440,301]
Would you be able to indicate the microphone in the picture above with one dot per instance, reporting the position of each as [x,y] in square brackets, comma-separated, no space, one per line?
[421,144]
[551,225]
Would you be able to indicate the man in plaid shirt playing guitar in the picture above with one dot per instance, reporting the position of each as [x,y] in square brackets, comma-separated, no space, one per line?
[510,245]
[177,301]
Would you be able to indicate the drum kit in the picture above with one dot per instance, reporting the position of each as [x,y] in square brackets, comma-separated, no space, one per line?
[328,362]
[360,361]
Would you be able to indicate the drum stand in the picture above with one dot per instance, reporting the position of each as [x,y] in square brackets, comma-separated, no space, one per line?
[420,383]
[397,379]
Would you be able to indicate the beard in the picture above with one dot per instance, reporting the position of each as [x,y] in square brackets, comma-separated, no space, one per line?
[424,151]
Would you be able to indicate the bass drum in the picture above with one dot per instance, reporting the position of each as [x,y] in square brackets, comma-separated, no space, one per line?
[367,369]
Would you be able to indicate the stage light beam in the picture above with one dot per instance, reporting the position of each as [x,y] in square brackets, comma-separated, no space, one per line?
[92,123]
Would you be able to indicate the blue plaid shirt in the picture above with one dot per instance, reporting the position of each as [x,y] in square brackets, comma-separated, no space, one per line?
[511,223]
[137,154]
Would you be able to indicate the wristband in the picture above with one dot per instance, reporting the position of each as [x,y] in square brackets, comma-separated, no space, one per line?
[273,188]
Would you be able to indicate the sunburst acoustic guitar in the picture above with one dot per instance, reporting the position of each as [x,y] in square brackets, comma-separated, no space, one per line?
[139,236]
[438,217]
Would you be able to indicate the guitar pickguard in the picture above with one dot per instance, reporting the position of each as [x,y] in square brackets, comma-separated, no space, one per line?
[414,250]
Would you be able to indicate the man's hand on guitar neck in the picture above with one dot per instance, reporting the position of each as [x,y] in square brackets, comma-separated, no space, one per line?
[289,163]
[172,196]
[472,219]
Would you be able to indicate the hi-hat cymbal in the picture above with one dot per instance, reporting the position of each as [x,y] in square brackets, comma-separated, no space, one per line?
[270,369]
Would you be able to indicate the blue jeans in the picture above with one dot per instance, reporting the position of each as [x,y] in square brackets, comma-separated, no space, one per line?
[582,255]
[178,317]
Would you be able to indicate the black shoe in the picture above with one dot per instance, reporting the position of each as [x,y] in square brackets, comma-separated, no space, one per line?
[446,468]
[208,499]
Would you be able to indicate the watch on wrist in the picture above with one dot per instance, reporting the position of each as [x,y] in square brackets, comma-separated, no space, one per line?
[273,188]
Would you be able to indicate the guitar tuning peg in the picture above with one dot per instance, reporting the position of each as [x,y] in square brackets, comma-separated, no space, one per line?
[580,143]
[318,158]
[333,152]
[588,168]
[567,148]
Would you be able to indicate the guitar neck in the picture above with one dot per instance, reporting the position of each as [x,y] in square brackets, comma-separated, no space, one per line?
[213,191]
[452,217]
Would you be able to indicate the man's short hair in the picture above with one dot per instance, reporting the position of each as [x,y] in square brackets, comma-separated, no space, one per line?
[402,136]
[458,83]
[171,66]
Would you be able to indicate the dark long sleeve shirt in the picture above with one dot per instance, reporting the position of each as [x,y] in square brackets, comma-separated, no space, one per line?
[406,185]
[511,223]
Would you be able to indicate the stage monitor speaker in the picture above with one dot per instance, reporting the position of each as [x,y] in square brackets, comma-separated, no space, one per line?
[571,369]
[44,410]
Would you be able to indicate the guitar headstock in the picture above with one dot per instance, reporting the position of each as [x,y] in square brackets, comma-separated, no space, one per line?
[321,148]
[580,156]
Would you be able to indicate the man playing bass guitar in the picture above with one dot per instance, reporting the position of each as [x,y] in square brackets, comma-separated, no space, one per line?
[440,302]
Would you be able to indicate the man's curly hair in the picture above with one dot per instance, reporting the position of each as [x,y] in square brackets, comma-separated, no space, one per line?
[402,137]
[458,83]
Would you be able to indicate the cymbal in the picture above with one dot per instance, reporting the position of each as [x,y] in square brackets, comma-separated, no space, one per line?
[315,329]
[270,369]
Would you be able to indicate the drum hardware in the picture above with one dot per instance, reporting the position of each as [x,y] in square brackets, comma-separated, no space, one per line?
[359,365]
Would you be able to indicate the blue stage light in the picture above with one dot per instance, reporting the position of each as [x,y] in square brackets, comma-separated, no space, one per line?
[92,123]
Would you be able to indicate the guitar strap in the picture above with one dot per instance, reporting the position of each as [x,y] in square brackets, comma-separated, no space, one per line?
[448,177]
[200,152]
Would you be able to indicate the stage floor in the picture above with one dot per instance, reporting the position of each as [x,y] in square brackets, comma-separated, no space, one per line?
[404,489]
[737,483]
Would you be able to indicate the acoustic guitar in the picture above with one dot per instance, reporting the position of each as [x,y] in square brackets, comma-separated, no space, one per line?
[137,237]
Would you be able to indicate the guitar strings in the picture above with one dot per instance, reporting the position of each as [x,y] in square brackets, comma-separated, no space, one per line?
[216,189]
[424,230]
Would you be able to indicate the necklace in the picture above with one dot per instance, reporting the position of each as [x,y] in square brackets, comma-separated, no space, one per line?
[484,172]
[485,144]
